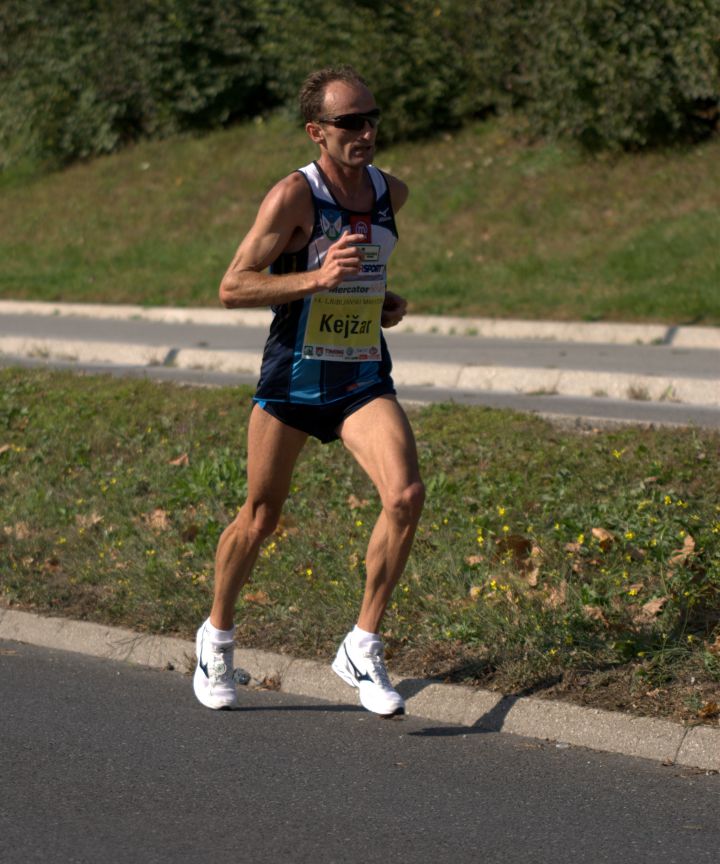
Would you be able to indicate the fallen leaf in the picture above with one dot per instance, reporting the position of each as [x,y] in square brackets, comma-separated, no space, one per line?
[261,598]
[709,711]
[356,503]
[4,448]
[269,684]
[181,461]
[533,575]
[158,519]
[517,544]
[472,560]
[649,611]
[286,525]
[88,520]
[596,614]
[526,555]
[653,607]
[556,595]
[604,537]
[680,556]
[20,530]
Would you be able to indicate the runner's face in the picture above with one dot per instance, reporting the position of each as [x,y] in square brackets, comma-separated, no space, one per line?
[352,149]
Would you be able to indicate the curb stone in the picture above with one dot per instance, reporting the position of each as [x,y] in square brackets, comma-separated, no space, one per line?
[489,328]
[470,377]
[596,729]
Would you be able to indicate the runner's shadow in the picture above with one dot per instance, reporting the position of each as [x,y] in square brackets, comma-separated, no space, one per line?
[327,707]
[492,721]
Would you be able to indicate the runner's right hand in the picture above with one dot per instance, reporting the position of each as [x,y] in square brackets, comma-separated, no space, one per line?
[342,261]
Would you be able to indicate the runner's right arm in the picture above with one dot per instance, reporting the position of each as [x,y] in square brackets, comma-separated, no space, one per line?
[284,221]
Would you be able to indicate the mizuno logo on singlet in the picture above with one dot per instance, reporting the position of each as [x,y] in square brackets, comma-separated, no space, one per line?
[384,215]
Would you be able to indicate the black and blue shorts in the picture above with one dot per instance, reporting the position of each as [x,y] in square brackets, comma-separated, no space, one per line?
[323,421]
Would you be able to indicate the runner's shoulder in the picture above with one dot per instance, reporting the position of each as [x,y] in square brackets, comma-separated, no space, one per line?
[289,201]
[292,190]
[398,191]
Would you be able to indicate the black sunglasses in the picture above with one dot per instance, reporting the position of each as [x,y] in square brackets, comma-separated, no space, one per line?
[353,122]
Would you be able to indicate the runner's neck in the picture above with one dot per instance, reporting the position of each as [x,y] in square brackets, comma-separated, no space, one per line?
[351,188]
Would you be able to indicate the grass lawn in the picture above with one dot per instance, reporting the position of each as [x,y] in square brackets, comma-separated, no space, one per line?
[494,227]
[579,565]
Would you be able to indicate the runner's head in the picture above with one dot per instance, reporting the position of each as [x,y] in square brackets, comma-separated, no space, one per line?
[341,115]
[312,92]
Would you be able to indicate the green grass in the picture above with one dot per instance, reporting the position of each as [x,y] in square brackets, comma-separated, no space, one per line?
[537,556]
[493,227]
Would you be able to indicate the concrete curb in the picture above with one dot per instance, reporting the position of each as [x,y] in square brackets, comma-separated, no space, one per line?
[481,710]
[488,328]
[468,377]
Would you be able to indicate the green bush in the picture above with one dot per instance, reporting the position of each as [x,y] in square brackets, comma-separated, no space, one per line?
[79,77]
[605,72]
[432,64]
[623,74]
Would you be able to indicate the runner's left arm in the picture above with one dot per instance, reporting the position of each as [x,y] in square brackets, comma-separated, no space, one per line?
[395,306]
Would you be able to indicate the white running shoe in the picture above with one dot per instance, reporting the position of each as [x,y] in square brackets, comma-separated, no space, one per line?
[364,668]
[214,683]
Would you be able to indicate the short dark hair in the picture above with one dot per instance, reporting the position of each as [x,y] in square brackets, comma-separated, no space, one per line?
[312,92]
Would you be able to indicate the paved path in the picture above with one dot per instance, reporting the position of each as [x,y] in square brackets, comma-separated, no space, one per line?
[102,761]
[471,707]
[639,373]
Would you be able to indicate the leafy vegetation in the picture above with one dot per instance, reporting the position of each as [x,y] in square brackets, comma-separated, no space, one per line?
[544,557]
[79,78]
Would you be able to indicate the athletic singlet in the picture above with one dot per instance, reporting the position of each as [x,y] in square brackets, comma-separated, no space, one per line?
[325,346]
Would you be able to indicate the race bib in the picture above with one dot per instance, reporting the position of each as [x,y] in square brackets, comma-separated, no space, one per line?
[344,322]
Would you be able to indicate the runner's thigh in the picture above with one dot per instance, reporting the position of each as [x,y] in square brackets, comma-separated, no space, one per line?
[273,449]
[380,438]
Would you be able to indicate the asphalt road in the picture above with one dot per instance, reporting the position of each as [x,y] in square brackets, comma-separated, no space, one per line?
[429,348]
[103,761]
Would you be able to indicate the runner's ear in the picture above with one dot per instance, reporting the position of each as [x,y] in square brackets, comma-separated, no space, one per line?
[315,131]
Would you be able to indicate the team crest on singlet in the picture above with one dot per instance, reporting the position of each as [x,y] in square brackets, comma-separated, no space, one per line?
[331,223]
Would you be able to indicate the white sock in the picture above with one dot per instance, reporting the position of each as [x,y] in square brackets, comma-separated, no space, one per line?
[362,639]
[219,635]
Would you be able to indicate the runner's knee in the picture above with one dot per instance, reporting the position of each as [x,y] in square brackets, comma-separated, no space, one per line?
[405,505]
[259,519]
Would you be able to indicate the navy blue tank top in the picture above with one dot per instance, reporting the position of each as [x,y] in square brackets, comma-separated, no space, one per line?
[323,347]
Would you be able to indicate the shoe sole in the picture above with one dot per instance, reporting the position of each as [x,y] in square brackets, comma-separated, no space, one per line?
[339,668]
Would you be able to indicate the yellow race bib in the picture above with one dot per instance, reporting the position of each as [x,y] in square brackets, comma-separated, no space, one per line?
[344,322]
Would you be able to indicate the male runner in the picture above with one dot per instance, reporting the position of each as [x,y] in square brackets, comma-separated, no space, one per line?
[326,232]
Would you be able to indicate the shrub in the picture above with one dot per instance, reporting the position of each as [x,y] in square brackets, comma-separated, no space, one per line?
[79,77]
[624,74]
